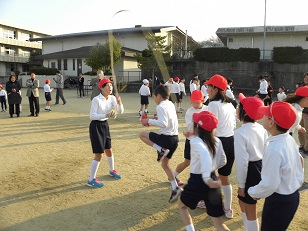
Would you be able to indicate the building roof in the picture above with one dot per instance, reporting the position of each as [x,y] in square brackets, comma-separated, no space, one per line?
[9,24]
[223,33]
[132,30]
[81,52]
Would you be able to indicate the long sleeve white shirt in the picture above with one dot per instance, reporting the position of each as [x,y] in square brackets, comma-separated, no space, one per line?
[229,93]
[281,96]
[193,87]
[167,118]
[100,107]
[47,88]
[202,161]
[249,145]
[299,114]
[182,87]
[3,93]
[204,90]
[189,117]
[282,170]
[175,88]
[144,90]
[263,87]
[225,113]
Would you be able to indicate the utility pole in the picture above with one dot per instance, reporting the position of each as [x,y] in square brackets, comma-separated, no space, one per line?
[264,31]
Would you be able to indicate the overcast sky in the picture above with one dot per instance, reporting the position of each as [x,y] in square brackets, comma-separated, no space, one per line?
[200,18]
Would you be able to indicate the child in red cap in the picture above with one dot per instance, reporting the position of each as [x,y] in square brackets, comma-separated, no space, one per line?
[47,91]
[103,106]
[221,106]
[282,170]
[207,156]
[196,100]
[249,143]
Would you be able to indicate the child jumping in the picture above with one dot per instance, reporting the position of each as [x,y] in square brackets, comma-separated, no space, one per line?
[167,140]
[3,98]
[47,91]
[249,143]
[144,93]
[207,155]
[282,171]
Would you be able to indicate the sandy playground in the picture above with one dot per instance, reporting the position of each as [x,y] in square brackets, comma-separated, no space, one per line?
[45,165]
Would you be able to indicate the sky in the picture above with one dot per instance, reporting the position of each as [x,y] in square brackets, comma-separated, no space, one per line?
[200,18]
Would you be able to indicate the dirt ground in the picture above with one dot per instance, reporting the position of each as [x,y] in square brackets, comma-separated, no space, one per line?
[45,165]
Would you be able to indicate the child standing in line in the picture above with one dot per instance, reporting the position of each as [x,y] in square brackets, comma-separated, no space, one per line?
[282,170]
[182,91]
[167,140]
[220,105]
[196,100]
[207,155]
[3,98]
[47,91]
[204,91]
[249,143]
[103,106]
[176,91]
[281,95]
[144,93]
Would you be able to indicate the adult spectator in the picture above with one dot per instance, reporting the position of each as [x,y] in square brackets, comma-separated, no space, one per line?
[81,85]
[59,85]
[33,94]
[94,82]
[14,98]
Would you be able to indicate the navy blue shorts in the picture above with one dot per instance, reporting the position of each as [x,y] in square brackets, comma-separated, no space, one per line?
[144,99]
[99,136]
[228,146]
[48,96]
[187,149]
[253,178]
[177,95]
[169,142]
[197,190]
[181,94]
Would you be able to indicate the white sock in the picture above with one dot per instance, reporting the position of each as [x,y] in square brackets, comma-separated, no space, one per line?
[190,227]
[140,113]
[227,189]
[93,169]
[253,225]
[110,162]
[174,184]
[175,173]
[244,221]
[157,147]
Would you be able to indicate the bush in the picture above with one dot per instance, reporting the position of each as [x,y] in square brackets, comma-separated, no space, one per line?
[43,70]
[292,55]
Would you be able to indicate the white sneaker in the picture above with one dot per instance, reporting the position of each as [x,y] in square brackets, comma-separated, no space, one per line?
[228,213]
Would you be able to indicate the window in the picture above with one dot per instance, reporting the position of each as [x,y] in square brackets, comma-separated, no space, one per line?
[64,64]
[9,34]
[59,64]
[53,64]
[25,53]
[9,51]
[74,65]
[25,68]
[306,39]
[230,40]
[24,37]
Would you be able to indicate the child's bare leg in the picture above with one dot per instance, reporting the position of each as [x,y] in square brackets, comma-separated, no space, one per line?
[165,165]
[182,166]
[185,216]
[144,136]
[218,224]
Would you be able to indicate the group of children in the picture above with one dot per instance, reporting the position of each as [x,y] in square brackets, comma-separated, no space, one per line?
[269,168]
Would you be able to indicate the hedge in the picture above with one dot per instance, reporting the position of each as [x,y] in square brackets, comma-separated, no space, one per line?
[43,70]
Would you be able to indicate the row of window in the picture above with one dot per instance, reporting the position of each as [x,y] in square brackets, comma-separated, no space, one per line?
[12,51]
[230,40]
[59,61]
[12,35]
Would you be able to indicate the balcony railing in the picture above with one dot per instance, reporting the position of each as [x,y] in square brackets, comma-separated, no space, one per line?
[4,57]
[14,42]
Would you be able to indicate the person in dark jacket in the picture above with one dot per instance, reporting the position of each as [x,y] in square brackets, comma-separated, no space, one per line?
[13,93]
[81,85]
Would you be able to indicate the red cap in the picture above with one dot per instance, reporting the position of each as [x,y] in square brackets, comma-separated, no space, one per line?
[251,106]
[197,96]
[283,113]
[218,81]
[176,79]
[302,91]
[103,81]
[47,81]
[205,120]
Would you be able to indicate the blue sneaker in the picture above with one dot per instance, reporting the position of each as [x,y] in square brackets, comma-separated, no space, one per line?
[115,174]
[95,183]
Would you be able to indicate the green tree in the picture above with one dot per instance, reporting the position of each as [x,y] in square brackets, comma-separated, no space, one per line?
[212,42]
[154,57]
[99,56]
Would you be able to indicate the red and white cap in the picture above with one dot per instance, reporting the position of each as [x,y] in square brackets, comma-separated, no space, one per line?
[251,106]
[103,81]
[283,113]
[206,120]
